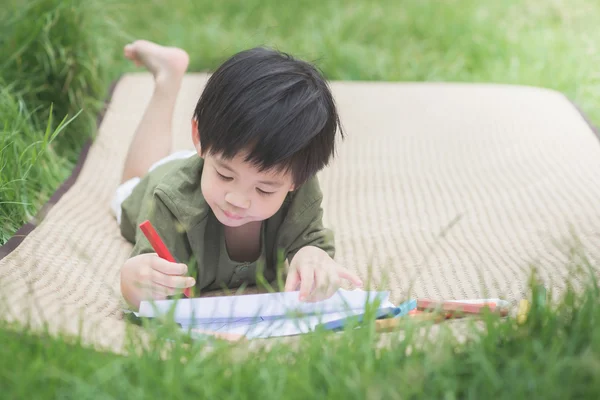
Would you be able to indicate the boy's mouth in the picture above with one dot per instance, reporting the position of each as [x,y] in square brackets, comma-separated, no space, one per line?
[231,215]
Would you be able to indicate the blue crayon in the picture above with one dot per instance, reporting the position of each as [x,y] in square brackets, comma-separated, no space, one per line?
[387,312]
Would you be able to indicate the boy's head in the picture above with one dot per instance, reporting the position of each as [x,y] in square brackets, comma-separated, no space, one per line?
[263,116]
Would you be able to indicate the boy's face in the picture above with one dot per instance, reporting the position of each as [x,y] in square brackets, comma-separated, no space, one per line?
[239,193]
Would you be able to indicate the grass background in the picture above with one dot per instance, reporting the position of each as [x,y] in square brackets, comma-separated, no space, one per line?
[59,57]
[65,61]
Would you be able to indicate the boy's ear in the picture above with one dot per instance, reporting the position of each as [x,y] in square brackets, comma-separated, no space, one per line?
[196,136]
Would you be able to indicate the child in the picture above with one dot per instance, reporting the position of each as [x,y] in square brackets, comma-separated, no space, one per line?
[263,127]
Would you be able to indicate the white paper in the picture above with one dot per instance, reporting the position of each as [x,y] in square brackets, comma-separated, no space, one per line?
[265,328]
[262,315]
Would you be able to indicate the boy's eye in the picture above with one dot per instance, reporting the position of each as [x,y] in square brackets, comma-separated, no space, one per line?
[262,192]
[223,177]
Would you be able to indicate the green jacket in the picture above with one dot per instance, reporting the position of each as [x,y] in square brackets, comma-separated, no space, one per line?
[171,198]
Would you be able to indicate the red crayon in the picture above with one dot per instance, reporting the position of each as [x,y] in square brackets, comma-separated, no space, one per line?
[159,246]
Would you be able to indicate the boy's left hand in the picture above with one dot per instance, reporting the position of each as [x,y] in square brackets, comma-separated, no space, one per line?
[317,274]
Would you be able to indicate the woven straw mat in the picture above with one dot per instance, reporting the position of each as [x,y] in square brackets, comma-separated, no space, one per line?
[439,191]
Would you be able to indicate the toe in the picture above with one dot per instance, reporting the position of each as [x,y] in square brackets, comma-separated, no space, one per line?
[128,51]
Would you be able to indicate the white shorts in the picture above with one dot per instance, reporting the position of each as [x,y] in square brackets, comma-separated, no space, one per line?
[125,188]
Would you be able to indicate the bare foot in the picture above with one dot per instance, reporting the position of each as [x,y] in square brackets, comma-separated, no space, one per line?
[165,63]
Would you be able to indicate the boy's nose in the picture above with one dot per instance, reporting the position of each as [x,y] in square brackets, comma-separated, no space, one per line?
[237,200]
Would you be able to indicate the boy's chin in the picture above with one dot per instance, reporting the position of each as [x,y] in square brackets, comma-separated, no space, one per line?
[232,224]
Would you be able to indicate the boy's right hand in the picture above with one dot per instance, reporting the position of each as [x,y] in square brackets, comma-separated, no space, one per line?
[147,277]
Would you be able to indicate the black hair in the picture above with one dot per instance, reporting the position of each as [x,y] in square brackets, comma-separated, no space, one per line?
[277,108]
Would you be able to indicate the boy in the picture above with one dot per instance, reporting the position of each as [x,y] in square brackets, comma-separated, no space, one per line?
[263,127]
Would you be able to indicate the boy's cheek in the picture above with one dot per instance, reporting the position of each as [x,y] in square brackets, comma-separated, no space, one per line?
[207,185]
[272,208]
[208,191]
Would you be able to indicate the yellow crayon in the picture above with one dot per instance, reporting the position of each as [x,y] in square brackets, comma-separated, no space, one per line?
[522,311]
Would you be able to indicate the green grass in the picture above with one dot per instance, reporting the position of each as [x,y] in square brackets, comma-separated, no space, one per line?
[59,57]
[70,55]
[29,166]
[553,44]
[553,355]
[54,67]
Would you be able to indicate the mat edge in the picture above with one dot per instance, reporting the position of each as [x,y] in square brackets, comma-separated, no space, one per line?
[595,130]
[21,234]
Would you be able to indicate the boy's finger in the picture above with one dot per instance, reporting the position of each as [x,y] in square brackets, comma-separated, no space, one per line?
[172,281]
[352,277]
[324,293]
[160,292]
[331,291]
[334,285]
[307,279]
[167,267]
[292,281]
[322,282]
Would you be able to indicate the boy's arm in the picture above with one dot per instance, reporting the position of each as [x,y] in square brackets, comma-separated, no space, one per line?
[161,212]
[304,223]
[312,269]
[310,249]
[308,230]
[144,276]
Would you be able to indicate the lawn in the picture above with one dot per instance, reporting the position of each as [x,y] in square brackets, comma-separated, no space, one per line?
[59,58]
[69,57]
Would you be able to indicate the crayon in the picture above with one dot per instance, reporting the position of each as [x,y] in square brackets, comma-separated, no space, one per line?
[159,246]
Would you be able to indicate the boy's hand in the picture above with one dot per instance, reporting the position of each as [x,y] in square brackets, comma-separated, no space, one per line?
[317,274]
[147,276]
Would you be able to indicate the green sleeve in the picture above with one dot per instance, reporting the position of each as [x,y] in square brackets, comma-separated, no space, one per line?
[304,225]
[157,207]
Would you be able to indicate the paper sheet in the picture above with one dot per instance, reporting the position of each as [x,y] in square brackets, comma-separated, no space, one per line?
[263,315]
[274,327]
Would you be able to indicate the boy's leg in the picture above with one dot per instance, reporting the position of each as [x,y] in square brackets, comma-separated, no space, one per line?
[153,136]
